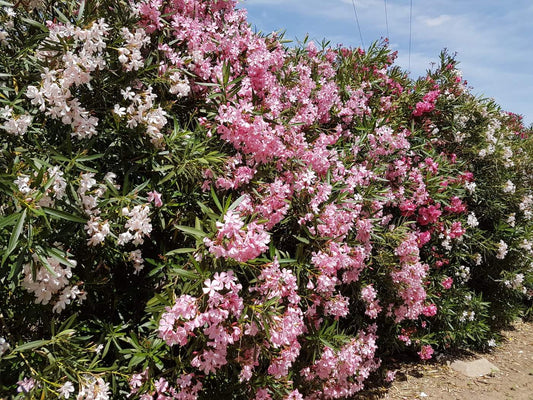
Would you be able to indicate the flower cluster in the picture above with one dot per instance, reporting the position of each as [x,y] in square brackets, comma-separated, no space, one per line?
[84,56]
[48,280]
[15,124]
[92,388]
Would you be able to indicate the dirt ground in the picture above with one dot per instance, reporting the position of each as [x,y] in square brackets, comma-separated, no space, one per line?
[436,380]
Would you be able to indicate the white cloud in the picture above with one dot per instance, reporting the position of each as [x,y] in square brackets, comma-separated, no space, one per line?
[437,21]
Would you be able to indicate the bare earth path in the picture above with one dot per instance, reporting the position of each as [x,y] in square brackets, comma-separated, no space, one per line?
[513,381]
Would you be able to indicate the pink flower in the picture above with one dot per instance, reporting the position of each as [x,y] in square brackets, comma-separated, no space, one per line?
[25,385]
[294,395]
[210,287]
[431,165]
[161,385]
[427,104]
[423,238]
[456,230]
[390,376]
[155,197]
[426,352]
[456,206]
[262,394]
[430,310]
[447,283]
[429,215]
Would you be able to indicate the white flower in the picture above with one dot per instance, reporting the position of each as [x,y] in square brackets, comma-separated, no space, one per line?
[470,186]
[86,183]
[459,136]
[509,187]
[66,390]
[17,125]
[10,12]
[3,36]
[48,281]
[472,220]
[60,184]
[138,261]
[526,245]
[22,183]
[4,346]
[502,250]
[69,293]
[25,385]
[98,230]
[127,93]
[130,55]
[507,153]
[463,273]
[139,224]
[119,111]
[124,238]
[93,389]
[180,85]
[511,219]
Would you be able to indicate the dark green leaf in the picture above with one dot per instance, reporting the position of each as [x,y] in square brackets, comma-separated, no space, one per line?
[64,215]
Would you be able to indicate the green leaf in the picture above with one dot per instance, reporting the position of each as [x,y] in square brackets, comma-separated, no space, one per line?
[31,345]
[9,220]
[32,22]
[64,215]
[136,360]
[301,239]
[192,231]
[215,199]
[185,274]
[89,158]
[62,17]
[13,240]
[56,254]
[81,10]
[16,267]
[46,264]
[139,188]
[180,251]
[236,203]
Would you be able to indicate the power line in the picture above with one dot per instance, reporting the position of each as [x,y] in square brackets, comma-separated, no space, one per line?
[410,32]
[358,26]
[387,19]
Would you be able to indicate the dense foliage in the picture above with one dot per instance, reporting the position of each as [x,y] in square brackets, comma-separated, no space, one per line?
[190,209]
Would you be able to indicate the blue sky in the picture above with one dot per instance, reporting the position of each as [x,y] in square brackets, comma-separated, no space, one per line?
[493,39]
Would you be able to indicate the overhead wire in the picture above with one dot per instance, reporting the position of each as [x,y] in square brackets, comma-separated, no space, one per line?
[410,33]
[358,25]
[386,19]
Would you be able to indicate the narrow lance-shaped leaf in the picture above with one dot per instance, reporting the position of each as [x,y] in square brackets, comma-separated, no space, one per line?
[63,215]
[13,240]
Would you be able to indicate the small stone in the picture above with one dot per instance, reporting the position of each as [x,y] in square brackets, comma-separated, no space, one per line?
[474,368]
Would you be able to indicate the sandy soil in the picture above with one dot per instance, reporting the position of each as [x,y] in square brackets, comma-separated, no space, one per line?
[436,380]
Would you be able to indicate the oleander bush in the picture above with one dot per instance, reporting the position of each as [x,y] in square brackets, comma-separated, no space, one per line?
[191,209]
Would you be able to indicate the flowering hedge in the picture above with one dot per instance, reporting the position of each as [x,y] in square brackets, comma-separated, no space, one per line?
[190,209]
